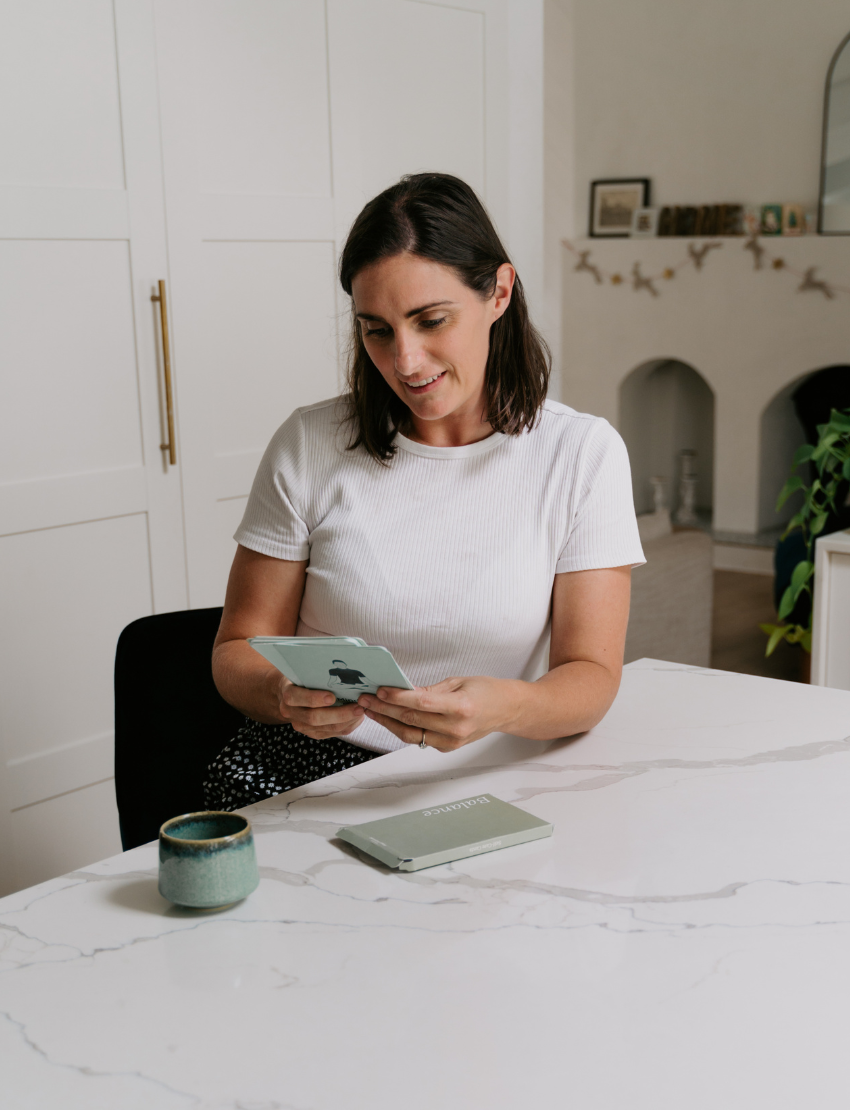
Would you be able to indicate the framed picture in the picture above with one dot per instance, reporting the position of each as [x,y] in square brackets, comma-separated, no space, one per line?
[645,223]
[613,203]
[752,219]
[793,219]
[771,219]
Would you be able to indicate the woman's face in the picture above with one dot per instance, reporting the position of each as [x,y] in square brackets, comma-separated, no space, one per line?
[429,334]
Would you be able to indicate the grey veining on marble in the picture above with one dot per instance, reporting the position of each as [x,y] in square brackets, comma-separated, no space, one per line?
[683,941]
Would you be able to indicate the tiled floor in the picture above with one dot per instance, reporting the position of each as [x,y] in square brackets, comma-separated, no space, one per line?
[741,603]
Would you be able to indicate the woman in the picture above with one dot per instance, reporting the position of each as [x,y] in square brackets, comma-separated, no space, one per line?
[444,509]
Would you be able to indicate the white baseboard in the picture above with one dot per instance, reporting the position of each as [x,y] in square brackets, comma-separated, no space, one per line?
[747,560]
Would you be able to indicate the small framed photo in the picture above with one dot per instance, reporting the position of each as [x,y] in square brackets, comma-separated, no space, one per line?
[613,203]
[793,219]
[645,223]
[752,219]
[771,219]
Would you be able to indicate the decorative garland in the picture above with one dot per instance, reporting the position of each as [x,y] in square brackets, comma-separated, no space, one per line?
[696,257]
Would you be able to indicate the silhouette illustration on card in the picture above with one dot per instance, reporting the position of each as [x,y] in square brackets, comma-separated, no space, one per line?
[342,675]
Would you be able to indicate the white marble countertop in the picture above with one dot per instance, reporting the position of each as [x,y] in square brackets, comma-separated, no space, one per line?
[681,943]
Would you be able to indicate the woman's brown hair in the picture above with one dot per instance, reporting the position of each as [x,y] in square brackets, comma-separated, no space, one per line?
[439,217]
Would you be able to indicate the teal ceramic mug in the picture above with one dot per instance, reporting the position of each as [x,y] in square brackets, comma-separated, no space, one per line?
[207,860]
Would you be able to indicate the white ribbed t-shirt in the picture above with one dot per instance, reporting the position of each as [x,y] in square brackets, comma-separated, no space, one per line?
[447,555]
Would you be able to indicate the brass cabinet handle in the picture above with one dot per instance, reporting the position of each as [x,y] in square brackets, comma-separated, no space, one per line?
[170,446]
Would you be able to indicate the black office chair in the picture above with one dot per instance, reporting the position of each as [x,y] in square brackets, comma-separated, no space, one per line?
[170,721]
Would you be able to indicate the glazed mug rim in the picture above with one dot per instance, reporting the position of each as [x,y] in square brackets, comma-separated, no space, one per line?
[200,814]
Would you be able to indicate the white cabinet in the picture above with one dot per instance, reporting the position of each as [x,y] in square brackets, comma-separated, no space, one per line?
[223,146]
[249,198]
[831,616]
[90,519]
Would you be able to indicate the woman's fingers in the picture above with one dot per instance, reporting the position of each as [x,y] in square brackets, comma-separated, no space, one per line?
[414,735]
[321,724]
[338,716]
[299,696]
[412,718]
[313,712]
[439,698]
[437,708]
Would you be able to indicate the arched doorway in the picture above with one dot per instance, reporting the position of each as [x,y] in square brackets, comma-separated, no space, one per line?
[788,421]
[666,407]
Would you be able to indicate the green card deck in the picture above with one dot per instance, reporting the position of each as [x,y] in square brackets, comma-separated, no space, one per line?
[442,833]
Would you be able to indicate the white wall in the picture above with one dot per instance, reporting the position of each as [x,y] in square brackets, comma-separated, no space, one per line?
[715,102]
[558,165]
[747,333]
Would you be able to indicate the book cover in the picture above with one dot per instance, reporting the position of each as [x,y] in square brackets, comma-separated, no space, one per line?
[440,834]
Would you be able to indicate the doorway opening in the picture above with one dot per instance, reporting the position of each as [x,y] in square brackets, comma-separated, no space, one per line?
[667,407]
[789,421]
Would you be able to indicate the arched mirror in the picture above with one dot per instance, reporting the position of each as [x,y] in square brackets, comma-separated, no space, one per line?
[834,214]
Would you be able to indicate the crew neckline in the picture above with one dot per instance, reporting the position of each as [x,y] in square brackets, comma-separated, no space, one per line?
[467,451]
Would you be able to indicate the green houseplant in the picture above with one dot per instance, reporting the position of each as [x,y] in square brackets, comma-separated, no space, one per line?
[831,459]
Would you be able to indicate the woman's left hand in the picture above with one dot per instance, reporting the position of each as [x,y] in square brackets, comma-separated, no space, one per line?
[453,712]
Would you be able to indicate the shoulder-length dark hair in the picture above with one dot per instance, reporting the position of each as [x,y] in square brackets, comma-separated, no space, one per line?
[439,217]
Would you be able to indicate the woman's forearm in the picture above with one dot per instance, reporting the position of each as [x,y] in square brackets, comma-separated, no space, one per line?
[247,681]
[571,698]
[590,614]
[263,599]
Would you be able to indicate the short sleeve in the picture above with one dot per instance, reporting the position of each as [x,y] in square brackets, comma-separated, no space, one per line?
[603,530]
[274,521]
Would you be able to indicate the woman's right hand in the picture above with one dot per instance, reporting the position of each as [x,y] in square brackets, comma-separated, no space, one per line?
[313,713]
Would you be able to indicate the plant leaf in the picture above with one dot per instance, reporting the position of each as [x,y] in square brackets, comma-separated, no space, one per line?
[800,575]
[803,454]
[823,447]
[806,641]
[786,604]
[795,522]
[817,524]
[845,470]
[776,637]
[791,486]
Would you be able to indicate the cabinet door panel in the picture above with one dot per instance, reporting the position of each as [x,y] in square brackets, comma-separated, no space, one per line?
[58,646]
[260,94]
[262,322]
[250,226]
[414,80]
[65,833]
[69,402]
[61,123]
[269,345]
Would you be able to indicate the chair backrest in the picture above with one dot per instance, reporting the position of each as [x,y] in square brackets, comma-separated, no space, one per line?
[170,721]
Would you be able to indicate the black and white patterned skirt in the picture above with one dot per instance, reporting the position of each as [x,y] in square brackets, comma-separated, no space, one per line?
[264,760]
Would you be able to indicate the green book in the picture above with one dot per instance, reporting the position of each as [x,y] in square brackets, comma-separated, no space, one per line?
[443,833]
